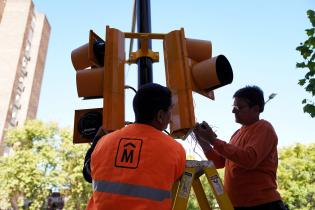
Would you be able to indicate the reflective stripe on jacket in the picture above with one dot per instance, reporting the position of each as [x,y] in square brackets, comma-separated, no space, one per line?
[135,168]
[131,190]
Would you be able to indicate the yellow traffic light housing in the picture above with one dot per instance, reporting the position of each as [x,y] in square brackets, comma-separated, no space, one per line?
[178,79]
[114,80]
[189,66]
[100,74]
[208,73]
[88,61]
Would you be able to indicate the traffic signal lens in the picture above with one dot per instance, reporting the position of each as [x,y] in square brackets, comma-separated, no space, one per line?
[99,51]
[212,73]
[89,124]
[224,70]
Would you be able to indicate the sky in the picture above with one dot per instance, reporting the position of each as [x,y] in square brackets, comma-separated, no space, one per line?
[258,38]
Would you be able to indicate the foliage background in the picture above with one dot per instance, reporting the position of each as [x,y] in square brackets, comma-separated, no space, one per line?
[306,50]
[43,158]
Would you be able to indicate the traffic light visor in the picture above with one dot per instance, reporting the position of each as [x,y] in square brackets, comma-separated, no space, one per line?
[90,83]
[90,54]
[212,73]
[79,57]
[198,50]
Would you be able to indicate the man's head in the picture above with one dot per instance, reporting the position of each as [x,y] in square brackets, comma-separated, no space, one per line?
[152,105]
[248,104]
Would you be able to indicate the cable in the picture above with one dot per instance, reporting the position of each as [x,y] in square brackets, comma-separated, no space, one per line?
[133,26]
[129,87]
[168,133]
[196,144]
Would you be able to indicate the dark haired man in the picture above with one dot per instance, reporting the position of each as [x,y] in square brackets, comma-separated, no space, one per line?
[250,158]
[135,167]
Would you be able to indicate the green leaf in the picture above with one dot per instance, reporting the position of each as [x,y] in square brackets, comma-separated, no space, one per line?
[311,67]
[306,50]
[310,32]
[308,75]
[310,13]
[310,43]
[311,16]
[310,87]
[300,65]
[309,108]
[301,82]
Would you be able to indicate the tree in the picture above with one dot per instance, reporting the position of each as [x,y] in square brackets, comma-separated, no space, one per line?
[296,176]
[306,49]
[42,158]
[77,190]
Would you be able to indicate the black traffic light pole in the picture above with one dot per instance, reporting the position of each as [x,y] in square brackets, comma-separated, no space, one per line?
[144,26]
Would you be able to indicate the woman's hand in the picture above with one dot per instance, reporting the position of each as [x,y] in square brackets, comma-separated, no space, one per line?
[203,132]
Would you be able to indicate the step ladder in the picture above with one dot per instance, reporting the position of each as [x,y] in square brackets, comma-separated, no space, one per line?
[190,178]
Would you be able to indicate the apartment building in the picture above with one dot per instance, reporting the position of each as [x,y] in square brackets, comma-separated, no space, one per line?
[24,37]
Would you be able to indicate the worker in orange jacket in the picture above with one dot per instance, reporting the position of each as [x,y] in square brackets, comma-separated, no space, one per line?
[134,168]
[250,158]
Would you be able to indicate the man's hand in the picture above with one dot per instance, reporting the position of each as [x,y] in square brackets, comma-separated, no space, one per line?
[203,132]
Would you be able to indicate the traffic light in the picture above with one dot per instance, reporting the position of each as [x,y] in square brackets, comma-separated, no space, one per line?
[100,73]
[87,122]
[189,66]
[88,61]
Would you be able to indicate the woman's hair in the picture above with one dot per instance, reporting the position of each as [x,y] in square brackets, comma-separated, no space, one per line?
[253,95]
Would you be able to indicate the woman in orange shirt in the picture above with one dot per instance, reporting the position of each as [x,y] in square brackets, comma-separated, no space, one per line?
[250,158]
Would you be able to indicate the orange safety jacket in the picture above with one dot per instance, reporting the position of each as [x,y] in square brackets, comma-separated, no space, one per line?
[251,162]
[135,168]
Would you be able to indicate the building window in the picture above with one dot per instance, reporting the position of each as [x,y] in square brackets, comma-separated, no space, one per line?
[20,88]
[13,121]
